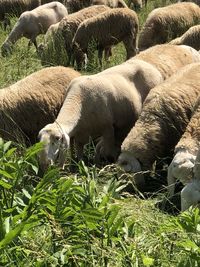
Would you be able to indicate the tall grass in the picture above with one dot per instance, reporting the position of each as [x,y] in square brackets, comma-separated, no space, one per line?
[84,218]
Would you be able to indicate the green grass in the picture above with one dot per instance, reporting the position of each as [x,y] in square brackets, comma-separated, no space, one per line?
[84,218]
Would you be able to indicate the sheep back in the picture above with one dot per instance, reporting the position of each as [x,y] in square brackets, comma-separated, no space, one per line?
[165,115]
[166,23]
[102,28]
[31,103]
[69,24]
[168,59]
[16,7]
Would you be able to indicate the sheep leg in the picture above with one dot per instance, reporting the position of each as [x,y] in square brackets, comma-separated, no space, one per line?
[130,46]
[107,53]
[109,148]
[171,182]
[79,150]
[33,42]
[100,56]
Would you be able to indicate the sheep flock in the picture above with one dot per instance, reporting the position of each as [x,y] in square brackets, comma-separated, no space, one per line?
[139,102]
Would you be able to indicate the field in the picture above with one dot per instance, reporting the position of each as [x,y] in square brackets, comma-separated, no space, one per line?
[84,218]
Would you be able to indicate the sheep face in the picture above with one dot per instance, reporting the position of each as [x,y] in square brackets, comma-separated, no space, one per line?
[56,141]
[190,195]
[80,56]
[6,49]
[130,164]
[182,165]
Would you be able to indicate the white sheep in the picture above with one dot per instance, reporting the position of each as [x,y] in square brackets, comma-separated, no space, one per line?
[190,194]
[191,38]
[165,115]
[103,31]
[69,24]
[181,167]
[104,105]
[32,23]
[166,23]
[31,103]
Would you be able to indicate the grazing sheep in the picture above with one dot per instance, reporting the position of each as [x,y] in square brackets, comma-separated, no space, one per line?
[190,194]
[31,103]
[165,115]
[166,23]
[69,24]
[103,105]
[34,22]
[191,38]
[181,167]
[15,8]
[103,31]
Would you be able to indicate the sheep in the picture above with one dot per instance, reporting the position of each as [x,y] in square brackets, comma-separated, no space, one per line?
[167,23]
[34,22]
[31,103]
[104,105]
[103,31]
[165,115]
[69,24]
[181,167]
[191,38]
[190,194]
[15,7]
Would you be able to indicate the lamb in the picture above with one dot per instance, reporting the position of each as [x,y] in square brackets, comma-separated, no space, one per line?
[190,194]
[15,7]
[104,105]
[31,103]
[34,22]
[191,38]
[69,24]
[181,167]
[165,115]
[103,31]
[166,23]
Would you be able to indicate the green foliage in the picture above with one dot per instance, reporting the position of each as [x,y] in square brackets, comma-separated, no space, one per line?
[81,219]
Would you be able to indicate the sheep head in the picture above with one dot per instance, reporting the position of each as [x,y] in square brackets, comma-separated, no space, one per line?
[190,195]
[56,141]
[181,167]
[6,49]
[80,56]
[131,164]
